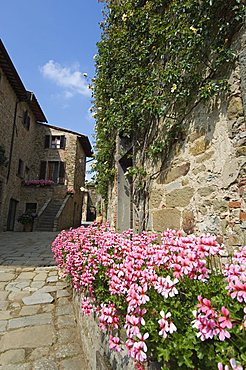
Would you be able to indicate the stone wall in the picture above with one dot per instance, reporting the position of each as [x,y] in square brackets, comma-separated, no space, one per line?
[23,145]
[95,344]
[73,155]
[202,188]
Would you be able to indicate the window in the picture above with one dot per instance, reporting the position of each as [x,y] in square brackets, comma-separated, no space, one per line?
[20,171]
[55,142]
[52,170]
[31,207]
[26,120]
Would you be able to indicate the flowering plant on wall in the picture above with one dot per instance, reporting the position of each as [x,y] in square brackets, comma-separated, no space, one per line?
[172,307]
[38,183]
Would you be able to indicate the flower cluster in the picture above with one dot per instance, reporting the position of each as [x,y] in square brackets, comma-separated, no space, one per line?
[149,289]
[234,365]
[236,276]
[210,323]
[38,183]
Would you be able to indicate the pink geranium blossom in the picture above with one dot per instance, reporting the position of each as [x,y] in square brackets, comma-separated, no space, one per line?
[132,270]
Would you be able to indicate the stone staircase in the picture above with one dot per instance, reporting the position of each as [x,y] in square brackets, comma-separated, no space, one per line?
[46,220]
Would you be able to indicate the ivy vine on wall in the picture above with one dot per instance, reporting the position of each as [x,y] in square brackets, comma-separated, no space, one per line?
[154,57]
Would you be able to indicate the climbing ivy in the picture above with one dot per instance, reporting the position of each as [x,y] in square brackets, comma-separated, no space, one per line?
[155,60]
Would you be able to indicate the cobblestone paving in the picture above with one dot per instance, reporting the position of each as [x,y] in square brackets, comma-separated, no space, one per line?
[38,329]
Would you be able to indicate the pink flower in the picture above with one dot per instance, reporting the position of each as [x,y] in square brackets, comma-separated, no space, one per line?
[167,326]
[114,343]
[224,320]
[86,306]
[166,287]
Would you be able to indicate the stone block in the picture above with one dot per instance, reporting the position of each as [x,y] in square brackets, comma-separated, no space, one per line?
[26,275]
[166,218]
[156,196]
[219,205]
[235,204]
[45,364]
[12,356]
[230,172]
[207,191]
[242,216]
[31,337]
[38,298]
[38,319]
[65,335]
[234,239]
[205,157]
[241,151]
[65,321]
[29,310]
[63,293]
[175,172]
[179,197]
[52,279]
[68,350]
[75,363]
[199,146]
[38,353]
[188,223]
[6,276]
[235,108]
[199,169]
[3,325]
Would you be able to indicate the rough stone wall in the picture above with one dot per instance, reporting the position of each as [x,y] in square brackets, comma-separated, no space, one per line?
[96,346]
[22,146]
[203,187]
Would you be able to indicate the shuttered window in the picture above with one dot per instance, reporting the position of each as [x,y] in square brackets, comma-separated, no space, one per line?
[63,142]
[55,142]
[52,170]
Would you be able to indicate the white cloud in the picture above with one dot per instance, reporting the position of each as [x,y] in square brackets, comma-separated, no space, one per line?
[70,78]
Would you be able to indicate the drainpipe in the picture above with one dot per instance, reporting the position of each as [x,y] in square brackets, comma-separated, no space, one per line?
[12,140]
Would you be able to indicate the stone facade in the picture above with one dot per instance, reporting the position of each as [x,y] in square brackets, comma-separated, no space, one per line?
[35,150]
[202,186]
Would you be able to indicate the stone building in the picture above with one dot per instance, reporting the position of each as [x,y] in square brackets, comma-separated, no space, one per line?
[201,188]
[92,202]
[33,150]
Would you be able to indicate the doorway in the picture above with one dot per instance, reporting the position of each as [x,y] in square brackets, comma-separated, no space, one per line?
[11,215]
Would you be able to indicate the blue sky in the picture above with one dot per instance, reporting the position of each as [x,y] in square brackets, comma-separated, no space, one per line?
[52,43]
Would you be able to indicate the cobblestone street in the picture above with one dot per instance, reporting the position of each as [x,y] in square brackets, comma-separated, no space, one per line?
[37,323]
